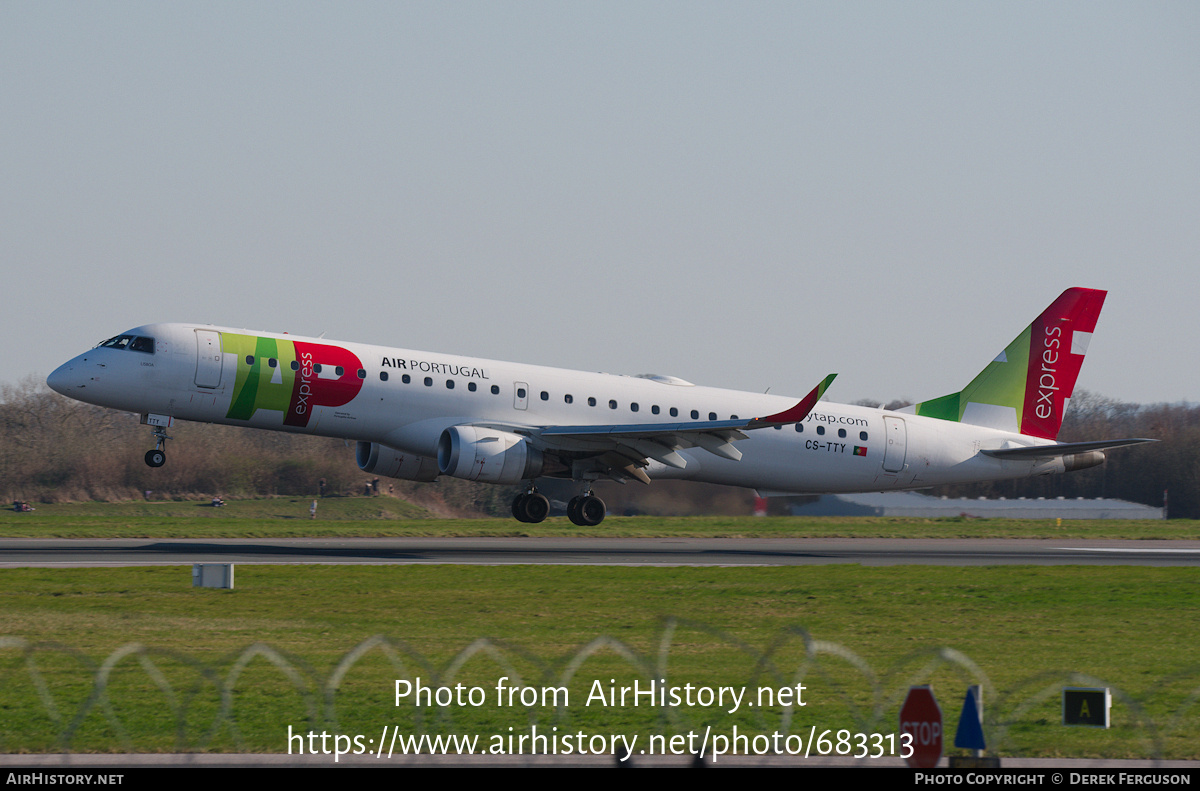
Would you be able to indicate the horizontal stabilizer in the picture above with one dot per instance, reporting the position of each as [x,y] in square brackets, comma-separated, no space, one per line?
[1061,449]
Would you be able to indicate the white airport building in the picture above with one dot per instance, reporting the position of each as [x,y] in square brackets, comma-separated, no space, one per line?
[914,504]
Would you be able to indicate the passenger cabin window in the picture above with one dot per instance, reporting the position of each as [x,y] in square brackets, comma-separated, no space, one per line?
[295,365]
[842,433]
[472,386]
[361,373]
[449,384]
[591,401]
[495,389]
[383,376]
[862,435]
[712,415]
[654,409]
[821,430]
[338,371]
[633,407]
[429,381]
[674,412]
[799,428]
[545,396]
[695,414]
[317,368]
[406,378]
[272,362]
[612,404]
[569,398]
[520,392]
[249,359]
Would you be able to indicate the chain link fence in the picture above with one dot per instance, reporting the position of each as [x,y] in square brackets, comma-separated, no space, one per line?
[206,702]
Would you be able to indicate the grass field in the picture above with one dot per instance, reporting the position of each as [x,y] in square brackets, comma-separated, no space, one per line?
[388,516]
[855,636]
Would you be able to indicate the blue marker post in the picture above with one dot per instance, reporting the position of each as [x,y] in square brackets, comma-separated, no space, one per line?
[970,733]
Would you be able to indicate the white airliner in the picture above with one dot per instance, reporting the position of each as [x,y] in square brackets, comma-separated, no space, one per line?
[417,415]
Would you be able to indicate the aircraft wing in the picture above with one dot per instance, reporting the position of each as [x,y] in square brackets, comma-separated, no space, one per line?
[621,451]
[1061,449]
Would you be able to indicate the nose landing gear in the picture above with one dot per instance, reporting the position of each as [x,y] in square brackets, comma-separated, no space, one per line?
[158,456]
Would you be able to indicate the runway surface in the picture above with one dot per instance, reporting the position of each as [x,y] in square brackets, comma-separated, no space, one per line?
[16,553]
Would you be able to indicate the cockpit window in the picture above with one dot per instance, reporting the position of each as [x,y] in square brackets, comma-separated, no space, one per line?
[119,342]
[142,344]
[137,344]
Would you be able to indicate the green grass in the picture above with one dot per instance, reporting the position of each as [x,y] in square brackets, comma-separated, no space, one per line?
[387,516]
[1027,629]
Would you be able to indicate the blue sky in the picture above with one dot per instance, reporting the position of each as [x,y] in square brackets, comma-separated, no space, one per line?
[745,195]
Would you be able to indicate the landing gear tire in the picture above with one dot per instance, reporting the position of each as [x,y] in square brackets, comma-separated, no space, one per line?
[587,511]
[518,507]
[157,457]
[530,508]
[537,508]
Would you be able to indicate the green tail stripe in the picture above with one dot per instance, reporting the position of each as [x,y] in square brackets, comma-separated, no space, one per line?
[944,408]
[1001,383]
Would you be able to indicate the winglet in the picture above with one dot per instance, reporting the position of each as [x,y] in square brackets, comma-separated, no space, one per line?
[799,411]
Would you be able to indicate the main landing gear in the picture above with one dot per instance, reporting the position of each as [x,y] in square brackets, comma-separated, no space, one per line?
[530,507]
[586,510]
[158,456]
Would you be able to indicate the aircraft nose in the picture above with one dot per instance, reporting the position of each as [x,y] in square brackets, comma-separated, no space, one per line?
[64,379]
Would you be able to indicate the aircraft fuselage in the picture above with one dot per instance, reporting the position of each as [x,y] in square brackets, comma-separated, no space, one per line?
[403,401]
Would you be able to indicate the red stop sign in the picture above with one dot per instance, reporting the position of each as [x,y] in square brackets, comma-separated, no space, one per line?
[921,716]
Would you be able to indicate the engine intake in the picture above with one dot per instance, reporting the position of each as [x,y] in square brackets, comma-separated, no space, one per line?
[480,454]
[381,460]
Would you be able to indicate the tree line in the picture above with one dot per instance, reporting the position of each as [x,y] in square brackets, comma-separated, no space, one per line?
[1140,474]
[55,449]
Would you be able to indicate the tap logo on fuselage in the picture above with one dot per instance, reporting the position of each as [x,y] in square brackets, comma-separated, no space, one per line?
[292,377]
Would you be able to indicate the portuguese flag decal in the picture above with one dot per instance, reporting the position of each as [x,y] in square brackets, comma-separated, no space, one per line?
[859,450]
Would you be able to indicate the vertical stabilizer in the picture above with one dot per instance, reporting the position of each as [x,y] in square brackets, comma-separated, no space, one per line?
[1026,388]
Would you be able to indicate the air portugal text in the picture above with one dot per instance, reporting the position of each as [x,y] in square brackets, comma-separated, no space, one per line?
[427,367]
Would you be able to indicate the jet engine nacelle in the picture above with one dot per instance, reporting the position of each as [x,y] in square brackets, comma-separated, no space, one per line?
[1081,461]
[1069,462]
[381,460]
[489,455]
